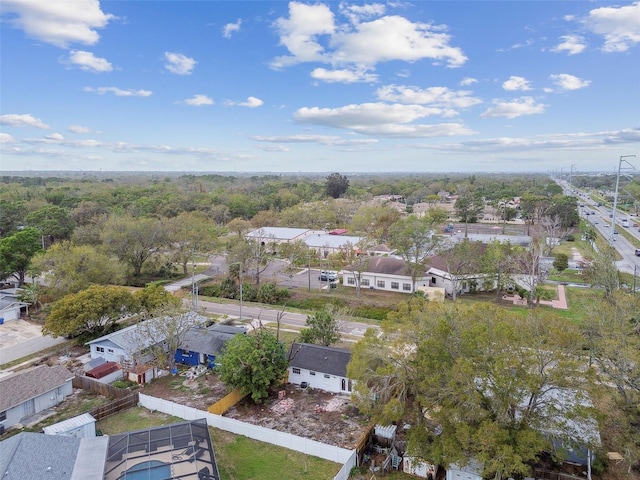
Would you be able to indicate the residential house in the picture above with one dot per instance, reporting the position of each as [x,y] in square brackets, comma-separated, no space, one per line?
[201,346]
[31,455]
[31,391]
[10,307]
[180,450]
[316,366]
[129,346]
[439,276]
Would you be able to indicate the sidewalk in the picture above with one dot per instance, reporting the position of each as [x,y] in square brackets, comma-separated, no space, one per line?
[560,302]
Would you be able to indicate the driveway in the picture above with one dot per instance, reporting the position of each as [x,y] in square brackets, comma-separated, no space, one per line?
[19,338]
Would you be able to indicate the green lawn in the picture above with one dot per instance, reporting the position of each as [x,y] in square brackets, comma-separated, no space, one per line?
[238,457]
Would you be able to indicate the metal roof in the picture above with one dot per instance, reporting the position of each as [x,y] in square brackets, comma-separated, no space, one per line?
[69,424]
[330,241]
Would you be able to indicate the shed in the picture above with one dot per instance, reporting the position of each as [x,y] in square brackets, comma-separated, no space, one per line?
[81,426]
[106,372]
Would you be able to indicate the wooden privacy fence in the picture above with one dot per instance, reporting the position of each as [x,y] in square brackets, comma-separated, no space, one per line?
[226,402]
[547,475]
[114,407]
[94,386]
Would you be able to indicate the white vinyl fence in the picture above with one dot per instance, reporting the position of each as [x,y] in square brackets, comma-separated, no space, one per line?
[262,434]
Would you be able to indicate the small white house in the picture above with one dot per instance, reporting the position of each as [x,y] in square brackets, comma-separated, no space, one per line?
[10,307]
[320,367]
[80,426]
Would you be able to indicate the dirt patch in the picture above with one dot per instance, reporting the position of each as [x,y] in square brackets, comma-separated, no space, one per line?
[200,392]
[309,413]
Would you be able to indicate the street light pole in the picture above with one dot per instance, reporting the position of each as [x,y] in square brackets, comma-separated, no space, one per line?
[571,175]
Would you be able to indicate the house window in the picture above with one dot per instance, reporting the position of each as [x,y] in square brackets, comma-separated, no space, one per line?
[110,350]
[3,416]
[433,280]
[59,391]
[365,282]
[312,373]
[406,287]
[100,349]
[395,285]
[351,280]
[326,375]
[295,370]
[380,283]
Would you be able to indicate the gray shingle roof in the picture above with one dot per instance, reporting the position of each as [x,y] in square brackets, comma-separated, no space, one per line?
[22,386]
[321,359]
[201,340]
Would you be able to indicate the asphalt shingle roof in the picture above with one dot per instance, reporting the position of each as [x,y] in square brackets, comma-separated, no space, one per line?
[329,360]
[22,386]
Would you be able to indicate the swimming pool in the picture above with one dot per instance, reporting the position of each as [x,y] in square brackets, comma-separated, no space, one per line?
[151,470]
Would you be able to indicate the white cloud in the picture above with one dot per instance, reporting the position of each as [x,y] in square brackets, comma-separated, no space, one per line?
[231,28]
[380,119]
[436,96]
[273,148]
[178,63]
[356,13]
[572,44]
[88,62]
[319,139]
[24,120]
[118,92]
[363,44]
[199,101]
[58,23]
[250,102]
[620,26]
[343,76]
[466,81]
[54,136]
[516,83]
[78,129]
[515,108]
[568,82]
[6,138]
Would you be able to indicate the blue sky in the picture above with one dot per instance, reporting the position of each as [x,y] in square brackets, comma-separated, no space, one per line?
[261,86]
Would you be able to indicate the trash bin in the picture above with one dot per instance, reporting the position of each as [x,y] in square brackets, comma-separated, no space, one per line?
[1,320]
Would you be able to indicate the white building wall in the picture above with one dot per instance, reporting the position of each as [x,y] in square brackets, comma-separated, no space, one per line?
[109,353]
[319,380]
[380,281]
[37,404]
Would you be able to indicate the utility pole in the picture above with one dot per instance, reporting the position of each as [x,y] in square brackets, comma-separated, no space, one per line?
[571,175]
[615,195]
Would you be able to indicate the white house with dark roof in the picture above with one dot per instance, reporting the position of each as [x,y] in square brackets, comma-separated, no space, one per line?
[384,273]
[28,392]
[320,367]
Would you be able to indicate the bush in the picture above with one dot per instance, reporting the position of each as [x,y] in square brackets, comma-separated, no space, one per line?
[373,313]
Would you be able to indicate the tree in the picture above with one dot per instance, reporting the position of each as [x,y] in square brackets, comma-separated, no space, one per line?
[497,263]
[253,363]
[528,268]
[252,255]
[322,328]
[239,226]
[356,259]
[154,299]
[164,334]
[468,206]
[601,270]
[190,234]
[474,381]
[11,214]
[463,261]
[295,253]
[16,252]
[375,221]
[336,185]
[134,240]
[561,262]
[415,240]
[69,268]
[53,221]
[94,310]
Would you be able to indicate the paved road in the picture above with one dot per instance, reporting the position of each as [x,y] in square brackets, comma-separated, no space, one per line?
[267,315]
[27,347]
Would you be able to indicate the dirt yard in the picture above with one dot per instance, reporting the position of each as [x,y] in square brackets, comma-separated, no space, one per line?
[310,413]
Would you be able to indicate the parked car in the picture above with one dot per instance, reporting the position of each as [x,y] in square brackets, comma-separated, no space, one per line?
[637,252]
[328,276]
